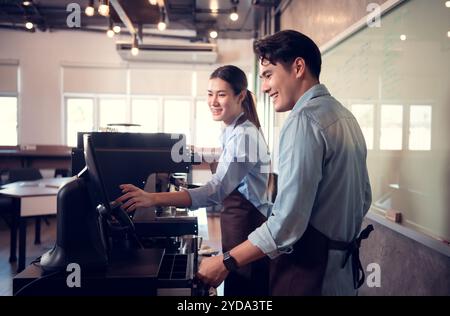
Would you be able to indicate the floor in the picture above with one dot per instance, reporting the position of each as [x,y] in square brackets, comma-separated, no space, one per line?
[48,236]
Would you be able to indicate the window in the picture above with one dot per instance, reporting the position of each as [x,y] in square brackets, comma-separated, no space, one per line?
[8,121]
[112,111]
[420,127]
[145,112]
[177,117]
[80,118]
[154,114]
[391,127]
[207,131]
[364,115]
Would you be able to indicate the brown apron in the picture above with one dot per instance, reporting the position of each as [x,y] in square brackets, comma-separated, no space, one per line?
[238,219]
[302,271]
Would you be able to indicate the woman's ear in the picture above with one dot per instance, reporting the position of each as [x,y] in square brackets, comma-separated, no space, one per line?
[242,96]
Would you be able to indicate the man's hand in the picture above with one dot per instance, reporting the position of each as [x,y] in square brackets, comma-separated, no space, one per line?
[212,271]
[134,197]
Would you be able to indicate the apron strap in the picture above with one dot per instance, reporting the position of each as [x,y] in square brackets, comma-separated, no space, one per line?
[352,249]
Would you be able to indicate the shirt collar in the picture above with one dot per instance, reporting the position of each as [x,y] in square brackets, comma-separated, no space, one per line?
[229,129]
[315,91]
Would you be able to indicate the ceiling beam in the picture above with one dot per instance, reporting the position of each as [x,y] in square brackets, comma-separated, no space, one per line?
[123,16]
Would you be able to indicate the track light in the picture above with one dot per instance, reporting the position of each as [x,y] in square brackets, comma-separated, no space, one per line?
[162,26]
[103,9]
[90,11]
[117,29]
[26,3]
[153,2]
[135,46]
[234,16]
[213,34]
[29,25]
[110,32]
[162,20]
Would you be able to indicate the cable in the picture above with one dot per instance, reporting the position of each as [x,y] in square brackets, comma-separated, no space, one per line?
[35,281]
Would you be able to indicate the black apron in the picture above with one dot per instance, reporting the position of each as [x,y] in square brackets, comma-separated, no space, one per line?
[301,272]
[238,219]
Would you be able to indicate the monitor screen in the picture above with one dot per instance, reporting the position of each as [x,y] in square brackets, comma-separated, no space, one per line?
[120,158]
[94,175]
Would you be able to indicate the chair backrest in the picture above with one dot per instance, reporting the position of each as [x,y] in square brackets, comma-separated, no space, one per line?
[24,174]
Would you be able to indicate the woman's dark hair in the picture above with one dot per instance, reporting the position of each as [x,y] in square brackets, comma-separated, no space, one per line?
[285,46]
[237,80]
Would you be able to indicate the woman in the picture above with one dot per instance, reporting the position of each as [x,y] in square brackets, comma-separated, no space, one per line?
[239,183]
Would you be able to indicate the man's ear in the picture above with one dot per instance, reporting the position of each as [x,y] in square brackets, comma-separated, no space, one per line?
[299,67]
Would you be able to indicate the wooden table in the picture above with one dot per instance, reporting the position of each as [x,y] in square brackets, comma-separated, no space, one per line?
[30,199]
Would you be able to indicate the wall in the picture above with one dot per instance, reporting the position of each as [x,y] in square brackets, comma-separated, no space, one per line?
[41,55]
[321,20]
[406,266]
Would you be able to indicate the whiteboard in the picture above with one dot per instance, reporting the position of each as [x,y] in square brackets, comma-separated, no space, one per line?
[398,87]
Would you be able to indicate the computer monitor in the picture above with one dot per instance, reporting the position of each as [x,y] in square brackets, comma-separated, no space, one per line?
[120,158]
[94,175]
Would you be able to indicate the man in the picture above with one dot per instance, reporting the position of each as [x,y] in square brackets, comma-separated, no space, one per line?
[323,186]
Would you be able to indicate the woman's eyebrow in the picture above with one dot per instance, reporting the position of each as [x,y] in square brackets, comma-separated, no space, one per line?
[216,91]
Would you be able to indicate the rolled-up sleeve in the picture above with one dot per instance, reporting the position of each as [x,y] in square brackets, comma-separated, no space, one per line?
[300,171]
[234,164]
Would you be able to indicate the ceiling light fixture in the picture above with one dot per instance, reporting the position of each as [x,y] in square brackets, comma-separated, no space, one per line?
[117,29]
[234,16]
[90,11]
[29,25]
[153,2]
[162,20]
[135,46]
[162,26]
[26,3]
[110,33]
[103,9]
[403,37]
[213,34]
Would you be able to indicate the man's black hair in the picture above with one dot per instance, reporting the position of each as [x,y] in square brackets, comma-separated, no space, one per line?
[285,46]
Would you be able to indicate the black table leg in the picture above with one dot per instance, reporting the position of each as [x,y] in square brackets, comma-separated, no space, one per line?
[14,227]
[22,243]
[37,231]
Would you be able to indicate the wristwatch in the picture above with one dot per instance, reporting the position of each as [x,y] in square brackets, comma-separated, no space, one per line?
[229,262]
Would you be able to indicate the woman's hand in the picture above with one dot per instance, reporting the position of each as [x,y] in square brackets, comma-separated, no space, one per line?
[133,197]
